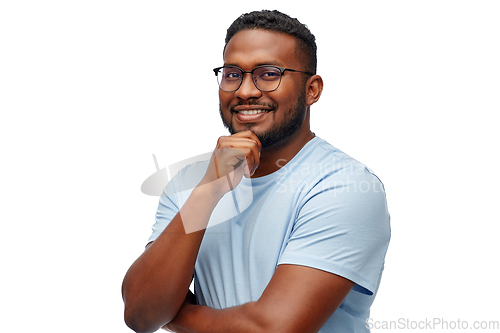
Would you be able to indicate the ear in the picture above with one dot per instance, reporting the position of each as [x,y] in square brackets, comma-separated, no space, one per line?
[314,88]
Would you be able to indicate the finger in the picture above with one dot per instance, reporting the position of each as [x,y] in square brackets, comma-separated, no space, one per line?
[226,160]
[243,140]
[247,152]
[249,135]
[257,148]
[248,163]
[240,158]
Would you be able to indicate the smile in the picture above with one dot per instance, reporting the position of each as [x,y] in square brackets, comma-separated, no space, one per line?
[244,116]
[251,112]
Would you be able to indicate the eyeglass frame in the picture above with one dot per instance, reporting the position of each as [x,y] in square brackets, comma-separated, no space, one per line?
[281,69]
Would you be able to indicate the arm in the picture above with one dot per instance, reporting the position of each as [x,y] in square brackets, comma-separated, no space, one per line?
[156,284]
[297,299]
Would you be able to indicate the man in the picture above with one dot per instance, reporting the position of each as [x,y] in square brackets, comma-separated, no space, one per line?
[308,252]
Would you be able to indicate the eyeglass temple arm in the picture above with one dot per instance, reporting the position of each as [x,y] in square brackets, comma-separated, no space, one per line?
[294,70]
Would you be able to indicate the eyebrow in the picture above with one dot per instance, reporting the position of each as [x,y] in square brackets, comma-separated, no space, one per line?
[272,63]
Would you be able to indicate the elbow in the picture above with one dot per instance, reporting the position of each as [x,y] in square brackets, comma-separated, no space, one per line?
[134,322]
[141,317]
[139,322]
[133,314]
[142,313]
[136,314]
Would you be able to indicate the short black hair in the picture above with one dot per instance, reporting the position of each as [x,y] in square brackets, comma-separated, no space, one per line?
[279,22]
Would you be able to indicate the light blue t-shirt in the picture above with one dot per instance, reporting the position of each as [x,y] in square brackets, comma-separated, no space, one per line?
[323,209]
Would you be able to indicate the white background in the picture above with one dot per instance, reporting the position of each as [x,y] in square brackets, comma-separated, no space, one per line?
[89,90]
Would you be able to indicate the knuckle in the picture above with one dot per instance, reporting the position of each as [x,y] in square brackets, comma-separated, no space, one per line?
[220,140]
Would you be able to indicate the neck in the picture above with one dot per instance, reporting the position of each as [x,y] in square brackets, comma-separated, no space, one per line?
[272,159]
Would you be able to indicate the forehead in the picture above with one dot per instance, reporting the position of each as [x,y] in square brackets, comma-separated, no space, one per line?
[250,48]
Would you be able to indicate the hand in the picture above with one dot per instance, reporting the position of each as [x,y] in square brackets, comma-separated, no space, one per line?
[172,327]
[233,157]
[178,323]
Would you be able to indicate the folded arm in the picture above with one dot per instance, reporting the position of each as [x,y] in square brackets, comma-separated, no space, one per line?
[156,284]
[297,299]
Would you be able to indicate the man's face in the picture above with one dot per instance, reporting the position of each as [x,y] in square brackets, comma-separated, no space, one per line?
[273,116]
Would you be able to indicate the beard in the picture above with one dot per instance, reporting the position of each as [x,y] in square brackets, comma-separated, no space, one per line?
[277,135]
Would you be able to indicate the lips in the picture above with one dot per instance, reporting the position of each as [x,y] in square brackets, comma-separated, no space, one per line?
[250,113]
[251,108]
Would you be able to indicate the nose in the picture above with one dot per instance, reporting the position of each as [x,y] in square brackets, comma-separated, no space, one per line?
[248,89]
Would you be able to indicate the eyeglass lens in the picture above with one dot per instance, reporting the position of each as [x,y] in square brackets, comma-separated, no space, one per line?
[266,78]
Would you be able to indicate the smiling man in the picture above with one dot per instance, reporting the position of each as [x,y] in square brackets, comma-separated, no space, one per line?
[308,253]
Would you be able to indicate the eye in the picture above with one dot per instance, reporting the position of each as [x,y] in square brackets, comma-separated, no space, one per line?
[232,74]
[269,74]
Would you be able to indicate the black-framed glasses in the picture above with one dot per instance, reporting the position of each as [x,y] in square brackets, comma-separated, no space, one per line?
[266,77]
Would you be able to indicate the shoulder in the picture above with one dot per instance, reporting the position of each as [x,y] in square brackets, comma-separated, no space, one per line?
[186,174]
[337,185]
[320,166]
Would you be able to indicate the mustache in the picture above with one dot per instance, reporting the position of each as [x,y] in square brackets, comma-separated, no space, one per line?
[273,107]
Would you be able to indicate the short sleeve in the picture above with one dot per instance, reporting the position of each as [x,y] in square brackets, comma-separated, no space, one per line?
[343,228]
[175,194]
[167,208]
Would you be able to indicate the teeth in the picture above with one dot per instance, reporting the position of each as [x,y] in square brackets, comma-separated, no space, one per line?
[251,111]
